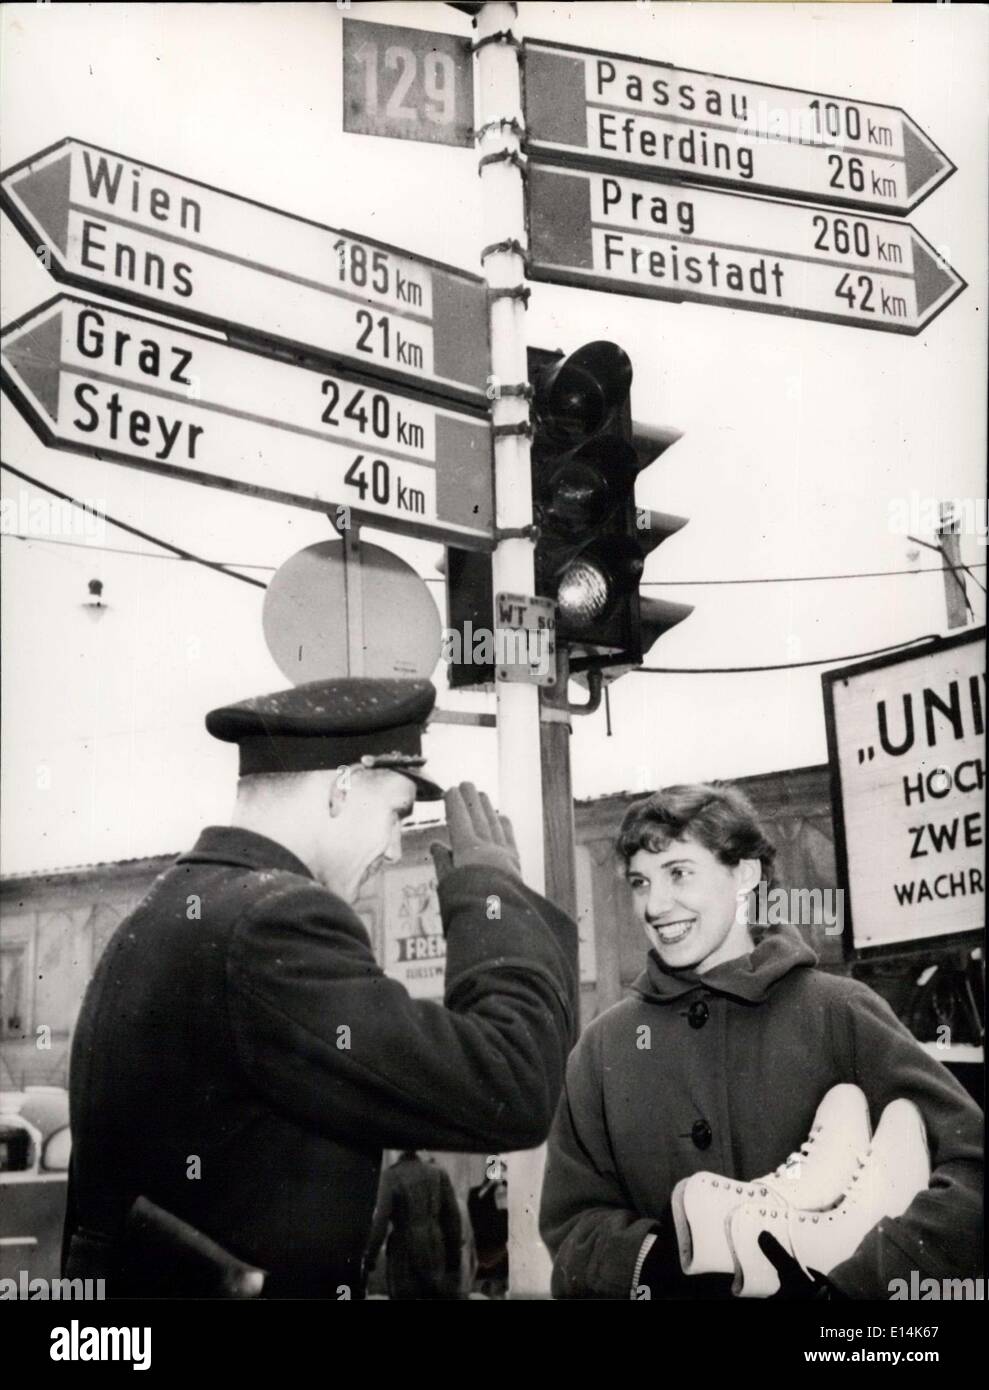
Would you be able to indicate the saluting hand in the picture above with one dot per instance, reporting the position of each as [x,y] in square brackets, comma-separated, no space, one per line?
[478,835]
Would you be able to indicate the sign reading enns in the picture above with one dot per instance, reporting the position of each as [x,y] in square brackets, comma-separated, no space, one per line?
[906,742]
[104,222]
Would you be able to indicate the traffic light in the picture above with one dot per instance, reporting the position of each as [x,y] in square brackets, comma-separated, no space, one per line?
[593,543]
[592,539]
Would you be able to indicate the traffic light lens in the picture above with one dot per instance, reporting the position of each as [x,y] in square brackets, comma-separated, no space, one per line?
[583,594]
[582,496]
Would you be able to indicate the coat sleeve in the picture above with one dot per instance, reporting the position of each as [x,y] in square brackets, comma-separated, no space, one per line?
[339,1047]
[586,1216]
[940,1234]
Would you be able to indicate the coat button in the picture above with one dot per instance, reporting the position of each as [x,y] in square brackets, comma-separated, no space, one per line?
[698,1014]
[701,1134]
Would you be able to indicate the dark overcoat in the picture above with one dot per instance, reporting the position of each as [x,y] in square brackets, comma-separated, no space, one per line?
[241,1060]
[417,1209]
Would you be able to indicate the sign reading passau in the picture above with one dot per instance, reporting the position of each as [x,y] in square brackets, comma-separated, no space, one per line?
[605,110]
[906,742]
[104,222]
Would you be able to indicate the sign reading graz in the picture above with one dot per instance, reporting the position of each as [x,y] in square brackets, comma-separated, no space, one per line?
[126,229]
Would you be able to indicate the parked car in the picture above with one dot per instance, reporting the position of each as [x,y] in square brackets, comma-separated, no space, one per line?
[35,1142]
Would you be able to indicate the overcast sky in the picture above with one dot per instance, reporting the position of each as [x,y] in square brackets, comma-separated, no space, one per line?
[798,436]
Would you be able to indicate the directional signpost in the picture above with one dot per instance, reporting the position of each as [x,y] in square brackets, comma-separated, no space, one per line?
[97,381]
[126,229]
[606,111]
[610,232]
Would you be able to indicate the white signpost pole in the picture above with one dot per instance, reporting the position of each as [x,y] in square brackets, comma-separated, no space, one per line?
[520,792]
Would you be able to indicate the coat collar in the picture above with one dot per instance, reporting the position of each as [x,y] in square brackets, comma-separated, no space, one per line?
[227,844]
[749,977]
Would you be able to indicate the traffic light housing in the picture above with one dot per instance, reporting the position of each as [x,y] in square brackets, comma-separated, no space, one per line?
[592,539]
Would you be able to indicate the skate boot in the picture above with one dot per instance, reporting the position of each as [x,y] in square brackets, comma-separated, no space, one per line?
[887,1178]
[811,1179]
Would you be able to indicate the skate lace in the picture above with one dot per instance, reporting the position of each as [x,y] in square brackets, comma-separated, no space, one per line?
[851,1194]
[798,1155]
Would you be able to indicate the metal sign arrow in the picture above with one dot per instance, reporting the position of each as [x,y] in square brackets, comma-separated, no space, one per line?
[669,241]
[603,110]
[96,381]
[126,229]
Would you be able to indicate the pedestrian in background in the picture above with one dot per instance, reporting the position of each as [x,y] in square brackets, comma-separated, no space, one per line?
[417,1211]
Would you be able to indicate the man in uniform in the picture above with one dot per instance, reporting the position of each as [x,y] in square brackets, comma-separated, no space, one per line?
[240,1059]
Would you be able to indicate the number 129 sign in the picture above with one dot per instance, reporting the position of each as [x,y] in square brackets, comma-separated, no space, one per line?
[408,84]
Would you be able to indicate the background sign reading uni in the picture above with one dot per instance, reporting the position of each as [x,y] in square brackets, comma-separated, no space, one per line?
[408,84]
[415,947]
[604,110]
[97,381]
[105,222]
[906,739]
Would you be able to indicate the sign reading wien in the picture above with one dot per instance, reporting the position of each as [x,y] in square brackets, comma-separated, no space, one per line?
[906,742]
[126,229]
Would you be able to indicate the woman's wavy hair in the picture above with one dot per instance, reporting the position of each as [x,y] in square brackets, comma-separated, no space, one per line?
[715,814]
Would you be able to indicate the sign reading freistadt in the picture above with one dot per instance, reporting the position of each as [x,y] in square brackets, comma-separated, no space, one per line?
[665,241]
[906,742]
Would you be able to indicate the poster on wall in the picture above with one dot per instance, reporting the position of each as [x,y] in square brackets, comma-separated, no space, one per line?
[906,744]
[415,947]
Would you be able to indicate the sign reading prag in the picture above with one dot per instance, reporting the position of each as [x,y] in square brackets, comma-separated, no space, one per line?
[906,743]
[611,232]
[98,381]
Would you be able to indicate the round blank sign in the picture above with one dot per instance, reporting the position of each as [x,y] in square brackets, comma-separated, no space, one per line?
[319,607]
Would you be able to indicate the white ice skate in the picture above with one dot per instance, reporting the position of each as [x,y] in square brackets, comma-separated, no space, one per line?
[811,1179]
[887,1178]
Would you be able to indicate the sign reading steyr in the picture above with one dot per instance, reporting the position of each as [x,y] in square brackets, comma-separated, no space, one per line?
[906,743]
[604,110]
[123,228]
[98,381]
[671,241]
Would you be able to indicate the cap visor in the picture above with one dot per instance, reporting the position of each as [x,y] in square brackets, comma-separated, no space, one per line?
[425,789]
